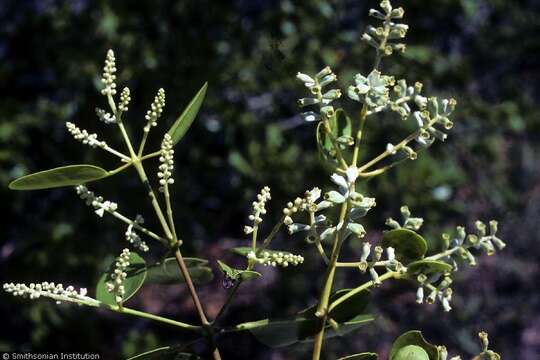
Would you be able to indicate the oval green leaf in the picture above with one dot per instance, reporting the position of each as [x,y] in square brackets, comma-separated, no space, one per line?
[136,274]
[278,333]
[167,272]
[70,175]
[428,267]
[411,352]
[165,353]
[409,245]
[361,356]
[413,337]
[184,121]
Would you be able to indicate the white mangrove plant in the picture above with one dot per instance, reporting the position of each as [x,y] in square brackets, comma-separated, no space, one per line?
[327,219]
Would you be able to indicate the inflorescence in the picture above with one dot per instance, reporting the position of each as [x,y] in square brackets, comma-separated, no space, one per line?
[50,290]
[156,109]
[275,258]
[167,163]
[116,285]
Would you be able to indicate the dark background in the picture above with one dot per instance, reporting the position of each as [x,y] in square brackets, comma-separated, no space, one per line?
[248,134]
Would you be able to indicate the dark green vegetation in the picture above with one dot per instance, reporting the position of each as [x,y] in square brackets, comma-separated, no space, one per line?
[248,135]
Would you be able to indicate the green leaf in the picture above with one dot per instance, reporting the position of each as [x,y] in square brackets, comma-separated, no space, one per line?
[168,272]
[182,124]
[136,274]
[276,333]
[165,353]
[411,352]
[236,274]
[413,337]
[428,267]
[345,311]
[361,356]
[70,175]
[349,326]
[408,244]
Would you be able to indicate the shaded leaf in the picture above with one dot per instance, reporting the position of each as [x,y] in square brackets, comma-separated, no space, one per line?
[168,272]
[278,333]
[70,175]
[184,121]
[236,274]
[413,337]
[428,267]
[165,353]
[408,244]
[136,274]
[361,356]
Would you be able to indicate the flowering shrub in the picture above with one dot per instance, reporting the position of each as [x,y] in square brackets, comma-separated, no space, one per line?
[325,219]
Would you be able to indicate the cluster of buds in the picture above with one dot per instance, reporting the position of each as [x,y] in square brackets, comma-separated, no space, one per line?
[133,238]
[308,203]
[119,275]
[259,208]
[96,202]
[372,90]
[125,98]
[167,163]
[442,291]
[369,265]
[463,242]
[379,37]
[316,85]
[109,77]
[156,109]
[84,137]
[275,258]
[412,223]
[433,111]
[50,290]
[105,116]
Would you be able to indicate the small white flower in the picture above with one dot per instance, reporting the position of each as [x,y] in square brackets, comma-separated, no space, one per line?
[390,149]
[109,77]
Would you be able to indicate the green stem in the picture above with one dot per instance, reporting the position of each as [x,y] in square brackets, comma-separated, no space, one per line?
[356,151]
[322,308]
[128,311]
[365,286]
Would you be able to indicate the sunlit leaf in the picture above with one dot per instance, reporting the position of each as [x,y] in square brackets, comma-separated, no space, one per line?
[136,274]
[411,352]
[70,175]
[413,337]
[408,244]
[428,267]
[184,121]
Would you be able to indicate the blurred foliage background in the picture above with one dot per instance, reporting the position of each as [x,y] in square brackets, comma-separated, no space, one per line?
[249,134]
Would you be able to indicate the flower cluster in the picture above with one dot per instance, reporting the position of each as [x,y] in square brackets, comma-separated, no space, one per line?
[109,77]
[133,238]
[372,90]
[391,263]
[97,202]
[308,203]
[105,116]
[167,163]
[433,111]
[259,208]
[116,286]
[155,110]
[378,37]
[442,291]
[125,98]
[457,248]
[413,223]
[316,85]
[50,290]
[84,137]
[275,258]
